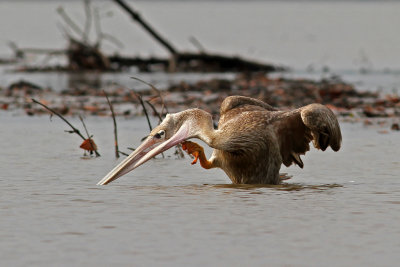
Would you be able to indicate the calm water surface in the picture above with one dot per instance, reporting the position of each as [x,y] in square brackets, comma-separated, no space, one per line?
[342,209]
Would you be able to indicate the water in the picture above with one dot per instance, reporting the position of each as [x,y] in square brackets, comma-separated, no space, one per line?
[342,209]
[308,36]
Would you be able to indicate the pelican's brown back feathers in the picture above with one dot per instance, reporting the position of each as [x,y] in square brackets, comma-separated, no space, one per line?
[254,139]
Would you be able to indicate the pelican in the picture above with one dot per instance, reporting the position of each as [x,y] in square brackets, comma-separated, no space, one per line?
[252,141]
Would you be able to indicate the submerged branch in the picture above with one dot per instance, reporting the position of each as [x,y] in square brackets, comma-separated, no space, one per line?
[156,90]
[144,110]
[115,127]
[155,111]
[84,126]
[74,130]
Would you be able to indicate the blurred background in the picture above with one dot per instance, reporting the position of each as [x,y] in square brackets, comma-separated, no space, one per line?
[341,209]
[357,40]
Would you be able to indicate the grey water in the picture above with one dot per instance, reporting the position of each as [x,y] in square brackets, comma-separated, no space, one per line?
[342,209]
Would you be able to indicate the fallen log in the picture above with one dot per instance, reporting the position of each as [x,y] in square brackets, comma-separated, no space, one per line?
[85,55]
[143,64]
[136,16]
[74,130]
[194,62]
[220,63]
[191,62]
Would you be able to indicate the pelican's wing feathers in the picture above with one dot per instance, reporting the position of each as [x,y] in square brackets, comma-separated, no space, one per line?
[295,129]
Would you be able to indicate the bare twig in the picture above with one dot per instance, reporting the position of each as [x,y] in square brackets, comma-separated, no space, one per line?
[157,91]
[42,51]
[97,25]
[144,110]
[123,153]
[115,125]
[136,16]
[84,126]
[197,44]
[69,21]
[74,130]
[112,39]
[179,152]
[155,111]
[103,36]
[88,21]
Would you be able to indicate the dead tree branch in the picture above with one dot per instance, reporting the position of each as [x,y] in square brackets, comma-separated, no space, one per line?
[197,44]
[136,16]
[84,126]
[100,34]
[88,21]
[69,21]
[155,111]
[157,91]
[74,130]
[139,96]
[117,152]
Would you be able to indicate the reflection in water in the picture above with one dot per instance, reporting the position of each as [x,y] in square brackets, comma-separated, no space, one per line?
[78,79]
[280,187]
[192,189]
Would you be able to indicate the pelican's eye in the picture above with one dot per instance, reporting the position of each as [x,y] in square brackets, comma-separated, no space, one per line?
[160,134]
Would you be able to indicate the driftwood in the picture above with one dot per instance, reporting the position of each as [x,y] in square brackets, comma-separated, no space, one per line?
[163,106]
[193,62]
[84,54]
[136,16]
[220,63]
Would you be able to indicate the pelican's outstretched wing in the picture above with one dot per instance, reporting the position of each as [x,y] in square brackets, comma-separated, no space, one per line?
[295,129]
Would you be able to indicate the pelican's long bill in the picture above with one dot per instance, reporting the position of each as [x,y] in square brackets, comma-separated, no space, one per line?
[151,147]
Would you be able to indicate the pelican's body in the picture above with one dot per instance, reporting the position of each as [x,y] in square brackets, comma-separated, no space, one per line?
[251,142]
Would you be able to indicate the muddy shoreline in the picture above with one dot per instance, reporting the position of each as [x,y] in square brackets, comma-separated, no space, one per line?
[343,98]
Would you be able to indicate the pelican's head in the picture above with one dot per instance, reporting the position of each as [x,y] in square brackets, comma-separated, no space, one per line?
[173,130]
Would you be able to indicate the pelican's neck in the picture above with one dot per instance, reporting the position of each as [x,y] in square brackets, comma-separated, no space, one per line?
[205,131]
[200,125]
[207,134]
